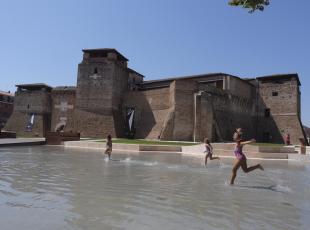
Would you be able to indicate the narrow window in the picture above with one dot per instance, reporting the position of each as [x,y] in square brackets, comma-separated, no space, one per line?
[267,112]
[95,70]
[274,94]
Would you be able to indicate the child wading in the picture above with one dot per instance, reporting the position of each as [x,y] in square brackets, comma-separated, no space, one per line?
[241,160]
[108,150]
[209,151]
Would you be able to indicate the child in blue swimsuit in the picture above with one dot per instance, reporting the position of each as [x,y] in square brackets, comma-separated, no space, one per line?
[241,160]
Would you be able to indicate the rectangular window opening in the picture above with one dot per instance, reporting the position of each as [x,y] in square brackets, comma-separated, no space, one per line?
[274,94]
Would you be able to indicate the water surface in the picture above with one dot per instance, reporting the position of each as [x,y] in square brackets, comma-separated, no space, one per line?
[56,188]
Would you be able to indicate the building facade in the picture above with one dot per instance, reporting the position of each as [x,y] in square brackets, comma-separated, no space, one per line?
[6,107]
[111,98]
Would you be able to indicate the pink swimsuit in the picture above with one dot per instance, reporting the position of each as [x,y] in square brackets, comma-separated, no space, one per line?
[238,153]
[208,150]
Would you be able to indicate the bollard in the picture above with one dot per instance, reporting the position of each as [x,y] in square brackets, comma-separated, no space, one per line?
[302,145]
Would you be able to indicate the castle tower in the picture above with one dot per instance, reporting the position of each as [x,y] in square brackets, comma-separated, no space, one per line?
[32,110]
[279,109]
[101,83]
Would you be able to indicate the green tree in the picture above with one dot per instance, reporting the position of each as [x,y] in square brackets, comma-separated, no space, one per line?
[250,4]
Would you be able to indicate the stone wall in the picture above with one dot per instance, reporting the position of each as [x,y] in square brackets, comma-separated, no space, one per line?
[63,105]
[90,124]
[6,110]
[282,97]
[183,110]
[100,90]
[18,123]
[120,83]
[36,101]
[239,87]
[95,85]
[286,100]
[26,103]
[219,113]
[152,109]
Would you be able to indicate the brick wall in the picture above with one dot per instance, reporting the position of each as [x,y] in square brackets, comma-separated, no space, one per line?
[63,105]
[219,113]
[6,110]
[95,85]
[183,114]
[90,124]
[18,122]
[37,101]
[26,103]
[101,85]
[151,111]
[282,97]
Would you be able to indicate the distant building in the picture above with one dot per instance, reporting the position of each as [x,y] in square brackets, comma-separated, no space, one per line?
[111,98]
[6,107]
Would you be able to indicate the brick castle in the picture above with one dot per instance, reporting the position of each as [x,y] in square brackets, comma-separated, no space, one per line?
[111,98]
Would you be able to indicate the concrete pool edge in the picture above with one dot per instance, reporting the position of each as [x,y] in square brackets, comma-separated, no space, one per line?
[195,151]
[7,142]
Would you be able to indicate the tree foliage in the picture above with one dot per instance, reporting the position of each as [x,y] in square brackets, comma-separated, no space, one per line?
[250,4]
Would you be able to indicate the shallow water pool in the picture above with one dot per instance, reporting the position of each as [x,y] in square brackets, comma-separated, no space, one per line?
[56,188]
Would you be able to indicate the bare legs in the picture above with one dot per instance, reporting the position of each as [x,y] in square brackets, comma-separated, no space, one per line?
[234,171]
[211,158]
[243,164]
[108,152]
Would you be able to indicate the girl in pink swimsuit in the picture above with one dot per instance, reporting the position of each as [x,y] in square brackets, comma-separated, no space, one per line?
[241,160]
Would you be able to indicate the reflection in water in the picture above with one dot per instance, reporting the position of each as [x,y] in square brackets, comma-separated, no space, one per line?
[56,188]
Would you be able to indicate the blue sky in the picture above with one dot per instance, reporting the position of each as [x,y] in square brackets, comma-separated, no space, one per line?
[41,40]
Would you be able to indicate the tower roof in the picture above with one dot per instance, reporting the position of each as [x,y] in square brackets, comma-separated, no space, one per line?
[133,71]
[105,51]
[35,86]
[276,77]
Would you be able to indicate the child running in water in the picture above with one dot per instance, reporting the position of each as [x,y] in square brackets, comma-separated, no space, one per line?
[108,150]
[209,151]
[241,160]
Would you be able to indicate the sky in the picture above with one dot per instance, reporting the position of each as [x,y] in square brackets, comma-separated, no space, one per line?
[41,41]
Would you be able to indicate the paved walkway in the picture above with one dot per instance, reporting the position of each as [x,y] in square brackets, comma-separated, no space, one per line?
[21,141]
